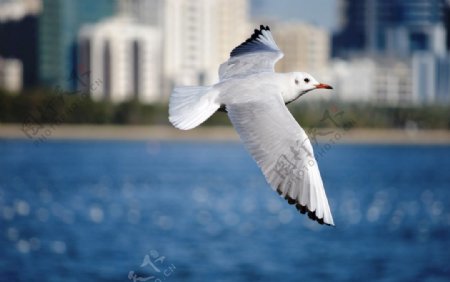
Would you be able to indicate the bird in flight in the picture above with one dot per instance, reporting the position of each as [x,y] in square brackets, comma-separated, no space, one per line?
[255,98]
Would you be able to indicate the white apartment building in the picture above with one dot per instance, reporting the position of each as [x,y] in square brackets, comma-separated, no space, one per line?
[386,82]
[11,73]
[125,57]
[198,36]
[233,26]
[353,81]
[189,47]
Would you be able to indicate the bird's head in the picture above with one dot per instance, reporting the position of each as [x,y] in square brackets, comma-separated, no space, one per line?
[304,82]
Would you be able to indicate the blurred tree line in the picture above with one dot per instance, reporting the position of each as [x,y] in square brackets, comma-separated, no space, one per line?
[47,107]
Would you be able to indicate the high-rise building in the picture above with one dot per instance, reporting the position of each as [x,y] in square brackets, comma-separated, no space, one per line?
[198,36]
[58,27]
[352,33]
[443,80]
[122,60]
[447,22]
[305,47]
[19,35]
[188,41]
[233,26]
[431,78]
[413,30]
[399,27]
[148,12]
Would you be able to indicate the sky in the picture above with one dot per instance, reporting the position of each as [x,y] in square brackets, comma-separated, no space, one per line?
[323,13]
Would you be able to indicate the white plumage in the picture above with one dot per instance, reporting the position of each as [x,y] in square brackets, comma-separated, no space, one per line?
[254,97]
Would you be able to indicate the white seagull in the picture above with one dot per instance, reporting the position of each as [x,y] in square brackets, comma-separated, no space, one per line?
[254,96]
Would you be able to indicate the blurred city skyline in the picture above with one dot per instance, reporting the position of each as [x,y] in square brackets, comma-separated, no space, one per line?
[397,52]
[321,13]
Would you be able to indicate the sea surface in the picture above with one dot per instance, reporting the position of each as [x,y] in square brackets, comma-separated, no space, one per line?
[195,211]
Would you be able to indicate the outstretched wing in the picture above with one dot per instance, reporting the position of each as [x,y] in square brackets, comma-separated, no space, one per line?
[259,53]
[284,153]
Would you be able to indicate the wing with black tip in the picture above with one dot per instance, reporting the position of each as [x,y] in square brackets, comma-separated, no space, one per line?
[259,53]
[284,153]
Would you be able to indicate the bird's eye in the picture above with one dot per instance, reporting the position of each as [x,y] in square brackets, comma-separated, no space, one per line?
[306,80]
[296,81]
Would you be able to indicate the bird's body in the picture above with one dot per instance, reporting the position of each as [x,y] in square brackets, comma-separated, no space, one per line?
[248,84]
[254,96]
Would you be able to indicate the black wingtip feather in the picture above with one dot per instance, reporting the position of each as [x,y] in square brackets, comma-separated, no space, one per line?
[237,51]
[290,200]
[303,209]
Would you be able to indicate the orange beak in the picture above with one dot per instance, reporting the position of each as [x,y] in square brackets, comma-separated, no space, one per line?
[323,86]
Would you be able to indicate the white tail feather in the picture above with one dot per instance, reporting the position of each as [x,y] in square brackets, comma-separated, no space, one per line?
[190,106]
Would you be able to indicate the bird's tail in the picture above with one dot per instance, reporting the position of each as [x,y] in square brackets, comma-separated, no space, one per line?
[190,106]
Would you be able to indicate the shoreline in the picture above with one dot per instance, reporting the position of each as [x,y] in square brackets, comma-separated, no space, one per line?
[213,133]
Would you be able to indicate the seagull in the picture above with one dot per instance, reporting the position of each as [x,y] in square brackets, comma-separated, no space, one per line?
[255,98]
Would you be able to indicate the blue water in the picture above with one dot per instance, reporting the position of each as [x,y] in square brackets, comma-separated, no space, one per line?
[98,210]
